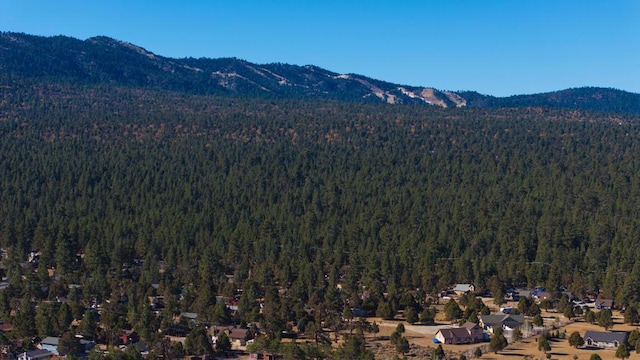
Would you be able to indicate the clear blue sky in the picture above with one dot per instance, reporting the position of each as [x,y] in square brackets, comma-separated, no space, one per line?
[494,47]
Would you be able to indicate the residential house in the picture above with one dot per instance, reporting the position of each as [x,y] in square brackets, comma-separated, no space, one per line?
[604,304]
[506,321]
[466,334]
[36,355]
[475,331]
[517,294]
[453,336]
[461,289]
[238,336]
[545,295]
[605,339]
[523,293]
[50,343]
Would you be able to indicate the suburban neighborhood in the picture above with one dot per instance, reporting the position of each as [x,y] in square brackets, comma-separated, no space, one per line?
[459,321]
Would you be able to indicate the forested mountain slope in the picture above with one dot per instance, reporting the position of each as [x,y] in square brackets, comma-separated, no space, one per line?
[286,192]
[102,60]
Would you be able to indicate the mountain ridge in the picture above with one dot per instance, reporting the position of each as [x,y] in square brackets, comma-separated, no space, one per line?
[102,59]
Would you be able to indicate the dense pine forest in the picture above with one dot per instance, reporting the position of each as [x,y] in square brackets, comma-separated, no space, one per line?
[119,188]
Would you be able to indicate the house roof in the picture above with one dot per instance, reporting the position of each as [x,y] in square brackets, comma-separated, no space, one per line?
[604,302]
[606,336]
[189,315]
[238,333]
[38,354]
[470,325]
[451,333]
[463,287]
[524,293]
[141,347]
[499,320]
[54,341]
[50,340]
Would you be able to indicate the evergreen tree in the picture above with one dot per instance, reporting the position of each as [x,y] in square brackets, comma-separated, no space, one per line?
[64,318]
[385,310]
[497,342]
[402,346]
[223,343]
[428,315]
[543,344]
[68,344]
[605,319]
[438,353]
[354,348]
[633,337]
[631,315]
[43,320]
[622,352]
[24,324]
[197,342]
[411,315]
[575,339]
[452,310]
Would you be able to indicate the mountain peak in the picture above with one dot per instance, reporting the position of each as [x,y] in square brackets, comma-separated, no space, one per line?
[102,59]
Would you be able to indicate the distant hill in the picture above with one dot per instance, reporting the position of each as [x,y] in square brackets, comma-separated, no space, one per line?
[585,98]
[105,60]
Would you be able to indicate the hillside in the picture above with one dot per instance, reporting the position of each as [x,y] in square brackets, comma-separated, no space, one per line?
[102,60]
[353,188]
[137,188]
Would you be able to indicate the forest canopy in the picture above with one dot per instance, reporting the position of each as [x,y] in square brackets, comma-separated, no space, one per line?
[305,194]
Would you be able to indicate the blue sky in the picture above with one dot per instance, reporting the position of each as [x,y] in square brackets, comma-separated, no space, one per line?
[494,47]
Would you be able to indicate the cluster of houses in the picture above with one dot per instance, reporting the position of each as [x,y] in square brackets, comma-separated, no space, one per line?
[470,332]
[47,348]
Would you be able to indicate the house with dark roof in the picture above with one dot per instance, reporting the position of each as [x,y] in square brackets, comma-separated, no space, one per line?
[36,355]
[545,295]
[605,339]
[505,321]
[522,293]
[474,330]
[466,334]
[604,304]
[453,336]
[238,336]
